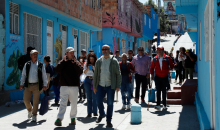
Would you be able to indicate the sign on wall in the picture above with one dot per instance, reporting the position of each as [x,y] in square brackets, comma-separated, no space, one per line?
[170,9]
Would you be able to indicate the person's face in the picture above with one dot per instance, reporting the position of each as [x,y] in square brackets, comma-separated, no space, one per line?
[45,61]
[117,54]
[181,50]
[124,58]
[83,53]
[92,60]
[170,4]
[34,56]
[105,50]
[140,51]
[130,53]
[160,52]
[70,55]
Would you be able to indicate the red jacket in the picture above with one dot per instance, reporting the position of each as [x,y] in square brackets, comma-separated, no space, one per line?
[165,68]
[131,68]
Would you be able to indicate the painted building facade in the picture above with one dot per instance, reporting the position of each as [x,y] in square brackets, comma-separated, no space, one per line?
[48,25]
[203,25]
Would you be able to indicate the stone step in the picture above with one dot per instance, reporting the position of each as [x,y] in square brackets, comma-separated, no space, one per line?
[174,94]
[174,101]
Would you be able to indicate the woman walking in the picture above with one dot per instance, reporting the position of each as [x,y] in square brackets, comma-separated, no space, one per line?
[181,58]
[126,67]
[89,72]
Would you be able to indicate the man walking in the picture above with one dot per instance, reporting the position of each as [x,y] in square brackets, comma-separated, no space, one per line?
[70,70]
[189,64]
[34,79]
[107,79]
[142,71]
[161,64]
[117,56]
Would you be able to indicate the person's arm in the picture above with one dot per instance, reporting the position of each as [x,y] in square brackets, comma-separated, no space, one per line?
[152,69]
[171,63]
[118,76]
[44,76]
[148,67]
[78,67]
[23,75]
[95,77]
[132,67]
[85,69]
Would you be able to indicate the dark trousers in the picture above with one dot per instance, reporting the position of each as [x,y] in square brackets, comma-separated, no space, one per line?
[182,76]
[46,93]
[140,79]
[177,75]
[100,94]
[82,93]
[161,84]
[56,90]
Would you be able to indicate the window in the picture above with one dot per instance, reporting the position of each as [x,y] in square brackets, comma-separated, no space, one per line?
[64,39]
[76,42]
[14,18]
[145,21]
[32,32]
[83,40]
[122,5]
[149,23]
[99,35]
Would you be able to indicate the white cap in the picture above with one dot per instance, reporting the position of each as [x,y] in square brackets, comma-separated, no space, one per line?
[34,51]
[124,54]
[69,49]
[160,47]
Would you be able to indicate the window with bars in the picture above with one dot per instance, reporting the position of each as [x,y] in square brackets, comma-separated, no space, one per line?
[32,32]
[83,40]
[14,18]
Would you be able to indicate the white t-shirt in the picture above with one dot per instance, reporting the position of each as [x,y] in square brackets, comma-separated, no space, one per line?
[161,62]
[89,72]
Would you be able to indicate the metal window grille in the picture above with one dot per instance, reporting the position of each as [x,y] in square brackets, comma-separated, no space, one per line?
[14,18]
[32,32]
[49,23]
[83,40]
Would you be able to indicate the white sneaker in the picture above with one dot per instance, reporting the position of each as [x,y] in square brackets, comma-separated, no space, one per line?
[164,107]
[34,119]
[129,107]
[175,81]
[123,107]
[29,114]
[157,108]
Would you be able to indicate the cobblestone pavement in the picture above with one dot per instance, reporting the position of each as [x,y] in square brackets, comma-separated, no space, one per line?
[176,117]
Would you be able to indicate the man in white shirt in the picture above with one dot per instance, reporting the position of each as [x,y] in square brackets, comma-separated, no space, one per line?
[34,79]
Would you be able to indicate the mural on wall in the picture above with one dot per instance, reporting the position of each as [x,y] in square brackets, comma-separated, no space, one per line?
[110,18]
[58,49]
[170,9]
[14,76]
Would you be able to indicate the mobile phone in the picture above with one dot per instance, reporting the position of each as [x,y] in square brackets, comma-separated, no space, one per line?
[90,67]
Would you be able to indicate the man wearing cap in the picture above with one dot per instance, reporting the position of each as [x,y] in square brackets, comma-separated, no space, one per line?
[142,71]
[161,64]
[189,63]
[70,70]
[25,58]
[34,79]
[106,80]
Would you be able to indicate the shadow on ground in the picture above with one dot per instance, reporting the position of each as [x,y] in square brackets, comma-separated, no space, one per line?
[102,126]
[86,120]
[5,111]
[27,123]
[70,127]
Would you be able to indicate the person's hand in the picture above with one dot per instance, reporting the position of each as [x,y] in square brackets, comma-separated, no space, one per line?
[21,87]
[152,77]
[93,67]
[187,54]
[148,76]
[94,90]
[44,88]
[117,89]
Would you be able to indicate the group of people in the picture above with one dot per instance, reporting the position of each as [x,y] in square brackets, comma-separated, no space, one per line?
[104,77]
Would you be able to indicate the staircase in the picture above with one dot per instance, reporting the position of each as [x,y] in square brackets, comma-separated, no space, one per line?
[174,96]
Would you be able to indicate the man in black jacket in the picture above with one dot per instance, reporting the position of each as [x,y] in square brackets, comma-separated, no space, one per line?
[189,64]
[70,70]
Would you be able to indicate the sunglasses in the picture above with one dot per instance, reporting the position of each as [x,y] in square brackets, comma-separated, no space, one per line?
[105,49]
[140,50]
[130,53]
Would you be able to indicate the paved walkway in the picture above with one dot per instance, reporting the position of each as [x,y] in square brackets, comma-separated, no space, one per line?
[176,117]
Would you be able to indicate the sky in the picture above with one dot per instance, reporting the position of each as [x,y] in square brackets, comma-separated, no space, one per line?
[143,1]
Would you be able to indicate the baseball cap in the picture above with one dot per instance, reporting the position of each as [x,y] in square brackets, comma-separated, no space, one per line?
[160,47]
[124,54]
[83,50]
[69,49]
[33,51]
[187,50]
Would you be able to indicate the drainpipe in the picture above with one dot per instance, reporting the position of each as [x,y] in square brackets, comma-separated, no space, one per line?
[158,24]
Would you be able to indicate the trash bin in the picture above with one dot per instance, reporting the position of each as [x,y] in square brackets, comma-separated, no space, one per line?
[135,114]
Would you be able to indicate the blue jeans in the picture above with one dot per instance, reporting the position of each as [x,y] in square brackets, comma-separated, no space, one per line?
[101,91]
[132,84]
[91,97]
[56,90]
[125,89]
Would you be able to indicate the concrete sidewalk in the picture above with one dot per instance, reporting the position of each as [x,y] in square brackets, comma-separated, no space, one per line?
[176,117]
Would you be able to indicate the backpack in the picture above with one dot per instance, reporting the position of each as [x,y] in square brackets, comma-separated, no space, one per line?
[44,106]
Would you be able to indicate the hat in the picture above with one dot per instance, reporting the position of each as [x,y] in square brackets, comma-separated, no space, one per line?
[83,50]
[34,51]
[30,48]
[160,47]
[124,54]
[187,50]
[69,49]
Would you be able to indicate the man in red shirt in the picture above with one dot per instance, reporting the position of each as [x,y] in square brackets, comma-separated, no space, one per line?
[161,64]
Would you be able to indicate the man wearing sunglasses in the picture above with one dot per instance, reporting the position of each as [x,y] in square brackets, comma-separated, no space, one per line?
[142,71]
[106,80]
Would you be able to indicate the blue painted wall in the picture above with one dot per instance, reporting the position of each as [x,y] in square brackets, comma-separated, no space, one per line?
[14,43]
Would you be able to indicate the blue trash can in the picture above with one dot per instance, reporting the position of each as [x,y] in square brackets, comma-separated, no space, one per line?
[135,114]
[152,95]
[173,75]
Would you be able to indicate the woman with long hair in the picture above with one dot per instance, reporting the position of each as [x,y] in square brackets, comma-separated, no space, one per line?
[181,58]
[89,72]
